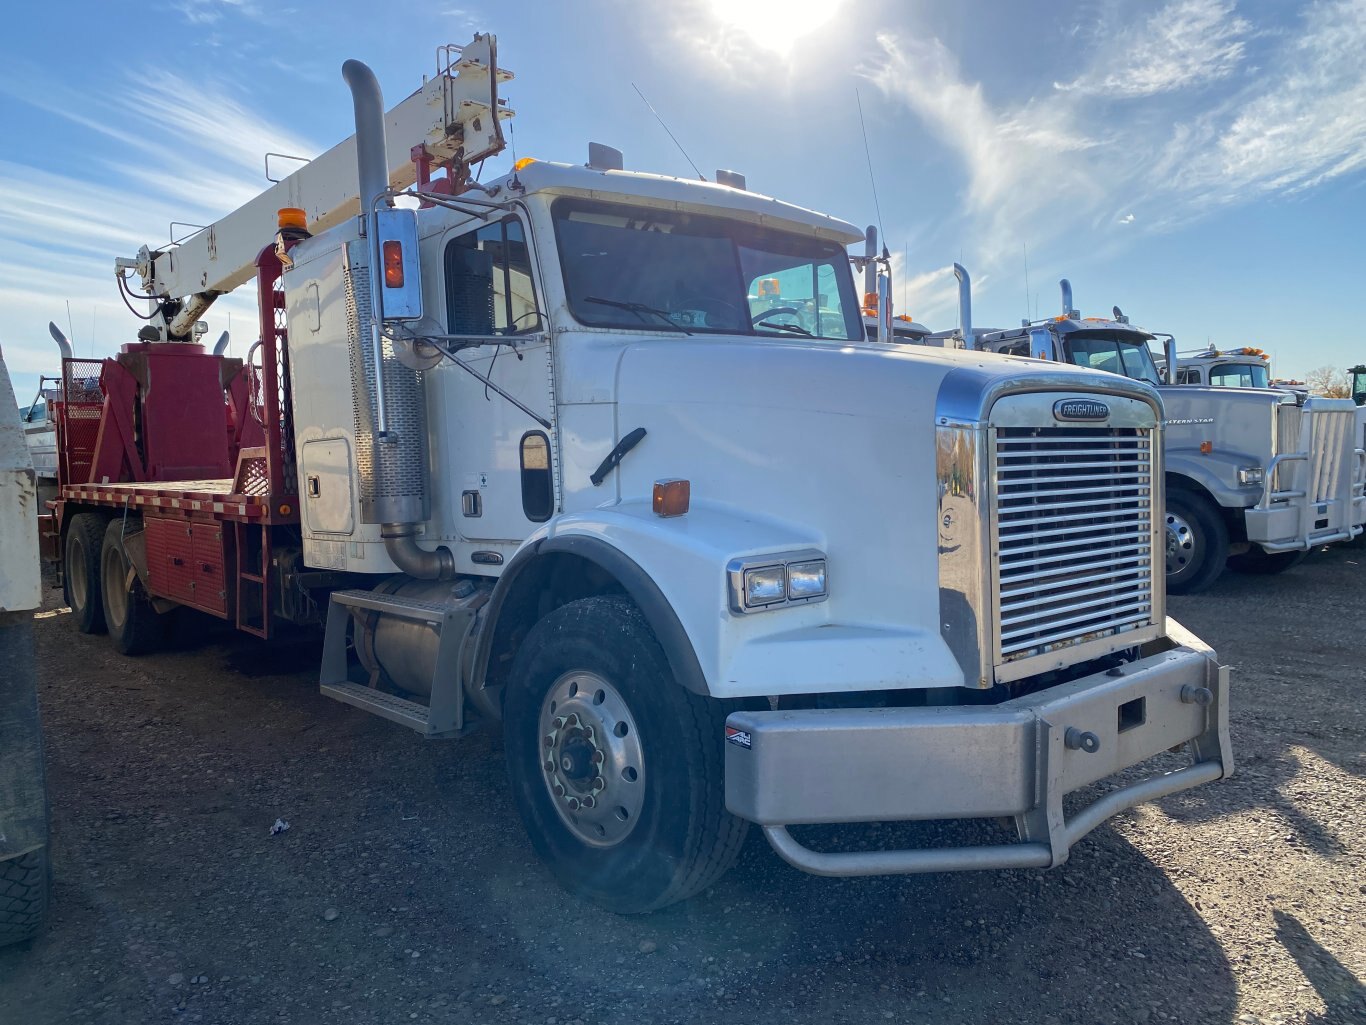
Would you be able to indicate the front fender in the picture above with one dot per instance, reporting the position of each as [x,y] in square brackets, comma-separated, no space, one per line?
[675,570]
[1217,473]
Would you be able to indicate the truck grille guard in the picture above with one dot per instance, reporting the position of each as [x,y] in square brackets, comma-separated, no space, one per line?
[1319,471]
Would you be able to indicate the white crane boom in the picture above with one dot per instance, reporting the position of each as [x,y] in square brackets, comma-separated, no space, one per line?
[456,115]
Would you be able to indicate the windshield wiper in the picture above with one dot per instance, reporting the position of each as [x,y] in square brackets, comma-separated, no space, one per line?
[639,309]
[786,327]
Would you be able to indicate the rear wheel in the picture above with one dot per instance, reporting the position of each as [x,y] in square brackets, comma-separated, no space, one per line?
[1197,543]
[615,768]
[25,883]
[134,625]
[1265,563]
[81,576]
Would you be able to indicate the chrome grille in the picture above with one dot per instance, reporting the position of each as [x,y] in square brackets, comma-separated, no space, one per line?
[1072,536]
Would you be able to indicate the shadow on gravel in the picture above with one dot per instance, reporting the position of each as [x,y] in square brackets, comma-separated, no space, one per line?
[1106,938]
[1342,993]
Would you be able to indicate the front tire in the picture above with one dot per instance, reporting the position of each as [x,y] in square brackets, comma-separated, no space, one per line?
[1197,543]
[1264,563]
[615,768]
[81,572]
[135,627]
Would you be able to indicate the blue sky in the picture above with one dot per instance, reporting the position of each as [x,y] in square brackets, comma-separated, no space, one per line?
[1200,163]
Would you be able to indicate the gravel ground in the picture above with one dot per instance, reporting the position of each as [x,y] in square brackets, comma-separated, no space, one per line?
[404,889]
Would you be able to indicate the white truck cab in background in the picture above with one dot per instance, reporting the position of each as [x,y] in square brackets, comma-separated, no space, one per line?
[1253,478]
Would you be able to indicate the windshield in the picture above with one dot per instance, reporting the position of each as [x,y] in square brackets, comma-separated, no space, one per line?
[1240,375]
[1127,358]
[662,270]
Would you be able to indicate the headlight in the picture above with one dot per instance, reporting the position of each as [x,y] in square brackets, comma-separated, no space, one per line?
[765,586]
[766,581]
[1251,475]
[806,579]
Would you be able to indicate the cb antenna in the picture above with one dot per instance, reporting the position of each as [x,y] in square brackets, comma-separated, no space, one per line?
[869,154]
[671,135]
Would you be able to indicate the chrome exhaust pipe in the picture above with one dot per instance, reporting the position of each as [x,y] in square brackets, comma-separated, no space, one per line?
[395,510]
[1066,287]
[373,167]
[60,339]
[964,305]
[221,346]
[870,258]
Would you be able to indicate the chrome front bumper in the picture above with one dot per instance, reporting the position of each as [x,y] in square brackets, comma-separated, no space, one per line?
[1017,759]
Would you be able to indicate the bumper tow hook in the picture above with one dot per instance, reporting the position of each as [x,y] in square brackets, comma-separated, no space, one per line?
[1081,740]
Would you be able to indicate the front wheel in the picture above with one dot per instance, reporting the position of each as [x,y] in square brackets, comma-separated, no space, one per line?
[1265,563]
[1197,543]
[616,770]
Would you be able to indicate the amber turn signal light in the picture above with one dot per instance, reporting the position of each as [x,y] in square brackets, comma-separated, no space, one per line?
[393,264]
[671,497]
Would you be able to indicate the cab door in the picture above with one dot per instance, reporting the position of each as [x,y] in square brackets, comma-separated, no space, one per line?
[500,479]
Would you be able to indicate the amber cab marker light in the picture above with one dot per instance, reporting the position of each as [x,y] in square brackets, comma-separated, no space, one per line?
[671,497]
[1206,447]
[393,264]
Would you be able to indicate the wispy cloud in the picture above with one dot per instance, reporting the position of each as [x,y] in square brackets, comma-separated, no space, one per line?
[1168,121]
[1186,43]
[169,149]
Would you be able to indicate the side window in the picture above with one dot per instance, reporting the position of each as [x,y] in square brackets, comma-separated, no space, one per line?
[488,282]
[1188,376]
[538,491]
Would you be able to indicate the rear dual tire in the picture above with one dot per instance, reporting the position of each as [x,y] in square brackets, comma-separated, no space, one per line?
[133,624]
[81,584]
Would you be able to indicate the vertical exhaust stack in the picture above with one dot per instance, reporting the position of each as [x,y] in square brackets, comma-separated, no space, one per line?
[221,346]
[964,304]
[60,339]
[391,442]
[1066,286]
[870,255]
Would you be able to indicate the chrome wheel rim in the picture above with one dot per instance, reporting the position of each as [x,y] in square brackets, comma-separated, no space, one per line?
[591,759]
[1182,547]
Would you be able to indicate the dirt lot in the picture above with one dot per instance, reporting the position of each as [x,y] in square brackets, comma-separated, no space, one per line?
[404,889]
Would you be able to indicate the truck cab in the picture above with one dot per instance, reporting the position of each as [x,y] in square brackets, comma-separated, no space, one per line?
[1254,479]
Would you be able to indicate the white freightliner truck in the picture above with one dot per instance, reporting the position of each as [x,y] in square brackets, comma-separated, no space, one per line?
[1253,479]
[713,559]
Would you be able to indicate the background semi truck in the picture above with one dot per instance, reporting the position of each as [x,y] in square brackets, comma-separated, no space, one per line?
[1254,479]
[24,863]
[607,456]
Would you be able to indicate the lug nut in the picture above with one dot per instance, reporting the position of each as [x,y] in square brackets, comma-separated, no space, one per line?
[549,766]
[573,804]
[550,740]
[559,789]
[598,758]
[589,802]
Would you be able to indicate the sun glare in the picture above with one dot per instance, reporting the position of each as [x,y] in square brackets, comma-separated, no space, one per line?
[775,25]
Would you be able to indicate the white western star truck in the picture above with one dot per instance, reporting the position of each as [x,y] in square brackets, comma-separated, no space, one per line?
[607,456]
[1253,479]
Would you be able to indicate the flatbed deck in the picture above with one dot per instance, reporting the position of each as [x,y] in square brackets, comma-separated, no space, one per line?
[202,496]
